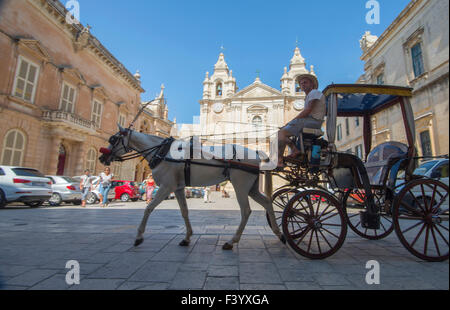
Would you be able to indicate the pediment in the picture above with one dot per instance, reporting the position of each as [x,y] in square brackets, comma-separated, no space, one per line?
[73,74]
[99,91]
[258,90]
[35,47]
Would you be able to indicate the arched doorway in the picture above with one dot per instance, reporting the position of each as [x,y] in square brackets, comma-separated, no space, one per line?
[61,160]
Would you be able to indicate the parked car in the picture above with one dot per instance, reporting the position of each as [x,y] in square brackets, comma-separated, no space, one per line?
[197,193]
[126,190]
[65,189]
[26,185]
[434,169]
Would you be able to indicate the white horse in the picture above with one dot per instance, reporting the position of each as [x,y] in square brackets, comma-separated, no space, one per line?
[170,176]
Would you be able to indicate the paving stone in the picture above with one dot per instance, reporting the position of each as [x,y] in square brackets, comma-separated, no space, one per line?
[221,283]
[13,270]
[97,284]
[156,272]
[302,286]
[261,273]
[31,277]
[122,267]
[254,255]
[295,275]
[185,280]
[223,271]
[143,286]
[330,279]
[34,255]
[56,282]
[266,287]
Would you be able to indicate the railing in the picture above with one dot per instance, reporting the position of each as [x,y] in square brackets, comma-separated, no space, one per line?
[67,117]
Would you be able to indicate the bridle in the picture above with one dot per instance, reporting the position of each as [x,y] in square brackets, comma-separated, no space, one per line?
[119,139]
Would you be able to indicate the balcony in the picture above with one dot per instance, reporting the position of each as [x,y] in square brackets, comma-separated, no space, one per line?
[68,121]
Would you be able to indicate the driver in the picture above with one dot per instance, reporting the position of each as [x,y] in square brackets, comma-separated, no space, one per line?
[312,116]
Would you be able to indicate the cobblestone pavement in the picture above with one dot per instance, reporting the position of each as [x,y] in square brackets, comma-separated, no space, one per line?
[35,245]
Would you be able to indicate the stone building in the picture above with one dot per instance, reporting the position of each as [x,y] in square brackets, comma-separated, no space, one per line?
[414,52]
[252,115]
[61,91]
[154,120]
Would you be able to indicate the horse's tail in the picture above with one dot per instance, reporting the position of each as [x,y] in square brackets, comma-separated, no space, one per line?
[268,185]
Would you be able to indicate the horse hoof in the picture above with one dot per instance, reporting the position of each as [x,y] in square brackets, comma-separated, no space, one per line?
[137,242]
[184,243]
[283,239]
[227,246]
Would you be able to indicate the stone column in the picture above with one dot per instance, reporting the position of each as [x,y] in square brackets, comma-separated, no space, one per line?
[79,153]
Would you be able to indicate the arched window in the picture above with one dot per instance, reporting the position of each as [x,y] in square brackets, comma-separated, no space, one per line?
[91,160]
[257,121]
[219,90]
[298,89]
[13,148]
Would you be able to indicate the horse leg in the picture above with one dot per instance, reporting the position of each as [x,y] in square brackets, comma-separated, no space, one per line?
[264,201]
[242,197]
[181,197]
[162,193]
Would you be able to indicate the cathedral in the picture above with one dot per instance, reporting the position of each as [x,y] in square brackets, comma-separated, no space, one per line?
[228,114]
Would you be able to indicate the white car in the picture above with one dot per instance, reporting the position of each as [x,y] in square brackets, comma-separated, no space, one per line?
[433,169]
[65,189]
[27,185]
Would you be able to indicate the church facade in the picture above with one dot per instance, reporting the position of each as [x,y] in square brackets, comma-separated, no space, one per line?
[250,116]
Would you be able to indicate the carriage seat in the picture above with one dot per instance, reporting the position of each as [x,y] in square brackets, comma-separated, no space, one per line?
[312,133]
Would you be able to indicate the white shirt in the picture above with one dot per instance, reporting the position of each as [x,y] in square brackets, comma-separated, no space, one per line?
[86,181]
[319,109]
[105,179]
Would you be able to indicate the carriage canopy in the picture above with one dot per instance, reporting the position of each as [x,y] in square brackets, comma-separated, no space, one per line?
[363,100]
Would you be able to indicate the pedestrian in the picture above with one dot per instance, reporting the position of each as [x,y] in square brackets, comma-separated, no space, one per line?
[150,183]
[85,186]
[206,192]
[106,178]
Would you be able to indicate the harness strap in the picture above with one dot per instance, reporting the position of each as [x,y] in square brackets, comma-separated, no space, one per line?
[187,172]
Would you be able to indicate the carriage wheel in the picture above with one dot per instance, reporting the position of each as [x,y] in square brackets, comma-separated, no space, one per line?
[420,217]
[314,224]
[354,203]
[280,200]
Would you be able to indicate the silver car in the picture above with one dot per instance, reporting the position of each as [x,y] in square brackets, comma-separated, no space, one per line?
[65,189]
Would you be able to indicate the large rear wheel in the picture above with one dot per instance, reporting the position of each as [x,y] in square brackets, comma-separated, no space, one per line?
[420,216]
[314,224]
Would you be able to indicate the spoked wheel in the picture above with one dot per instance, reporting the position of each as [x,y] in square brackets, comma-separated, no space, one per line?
[280,200]
[354,203]
[420,217]
[314,224]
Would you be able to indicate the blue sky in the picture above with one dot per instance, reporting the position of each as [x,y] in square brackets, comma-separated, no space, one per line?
[176,41]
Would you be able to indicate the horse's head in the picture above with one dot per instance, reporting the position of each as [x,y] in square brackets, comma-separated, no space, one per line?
[118,146]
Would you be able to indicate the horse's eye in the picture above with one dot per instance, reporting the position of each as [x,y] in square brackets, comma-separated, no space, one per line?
[112,140]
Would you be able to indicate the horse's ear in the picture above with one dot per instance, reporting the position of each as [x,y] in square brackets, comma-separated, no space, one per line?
[122,131]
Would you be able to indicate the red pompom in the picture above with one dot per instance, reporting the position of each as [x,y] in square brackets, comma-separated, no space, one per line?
[105,151]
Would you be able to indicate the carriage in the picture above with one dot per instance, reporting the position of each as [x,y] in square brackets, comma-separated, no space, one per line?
[328,191]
